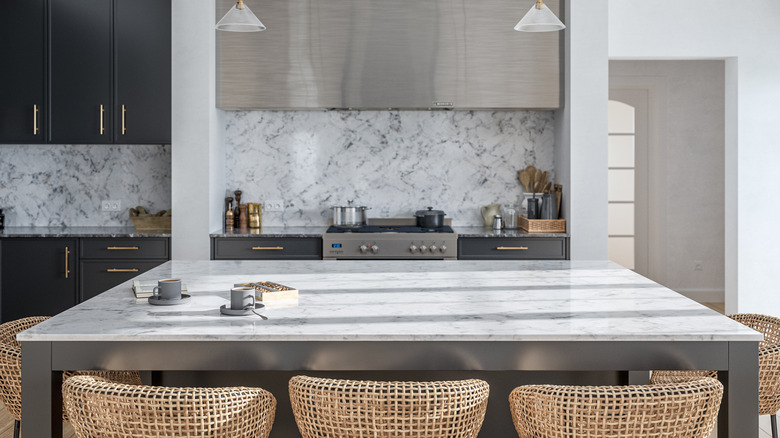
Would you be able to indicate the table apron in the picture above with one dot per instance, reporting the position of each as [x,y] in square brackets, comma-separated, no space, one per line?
[390,355]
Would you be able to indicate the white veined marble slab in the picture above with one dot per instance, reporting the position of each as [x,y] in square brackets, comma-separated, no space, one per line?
[403,301]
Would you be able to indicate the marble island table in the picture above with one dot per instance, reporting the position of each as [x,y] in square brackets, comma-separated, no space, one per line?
[426,317]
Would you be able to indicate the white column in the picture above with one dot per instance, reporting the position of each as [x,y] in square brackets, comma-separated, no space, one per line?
[197,152]
[581,128]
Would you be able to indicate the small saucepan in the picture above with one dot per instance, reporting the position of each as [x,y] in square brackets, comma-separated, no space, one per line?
[430,218]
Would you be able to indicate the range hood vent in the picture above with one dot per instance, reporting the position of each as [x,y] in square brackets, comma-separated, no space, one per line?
[388,54]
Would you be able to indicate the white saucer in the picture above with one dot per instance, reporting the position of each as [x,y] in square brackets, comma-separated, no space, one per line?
[160,302]
[225,310]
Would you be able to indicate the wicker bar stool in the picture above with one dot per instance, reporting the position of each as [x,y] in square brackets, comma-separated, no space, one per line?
[680,410]
[330,408]
[11,368]
[768,365]
[99,408]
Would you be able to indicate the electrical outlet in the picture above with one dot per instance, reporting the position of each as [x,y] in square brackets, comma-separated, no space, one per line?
[273,205]
[110,205]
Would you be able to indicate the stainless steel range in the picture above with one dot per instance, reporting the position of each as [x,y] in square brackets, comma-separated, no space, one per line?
[390,239]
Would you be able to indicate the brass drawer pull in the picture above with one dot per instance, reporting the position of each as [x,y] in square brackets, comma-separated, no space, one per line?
[124,128]
[35,120]
[67,256]
[122,248]
[512,248]
[102,110]
[267,248]
[121,270]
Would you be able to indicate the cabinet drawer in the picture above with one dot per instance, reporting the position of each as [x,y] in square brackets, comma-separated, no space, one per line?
[124,248]
[299,248]
[489,248]
[97,276]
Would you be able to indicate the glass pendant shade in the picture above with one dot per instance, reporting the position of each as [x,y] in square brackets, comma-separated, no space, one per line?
[240,19]
[539,19]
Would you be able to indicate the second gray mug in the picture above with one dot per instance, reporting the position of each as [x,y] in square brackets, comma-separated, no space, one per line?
[242,298]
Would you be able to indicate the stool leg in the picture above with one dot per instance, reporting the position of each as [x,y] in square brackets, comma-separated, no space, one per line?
[773,417]
[16,428]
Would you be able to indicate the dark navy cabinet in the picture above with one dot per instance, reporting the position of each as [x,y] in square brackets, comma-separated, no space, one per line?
[37,276]
[85,71]
[23,75]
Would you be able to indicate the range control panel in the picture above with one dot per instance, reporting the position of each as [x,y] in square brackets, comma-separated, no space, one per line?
[398,246]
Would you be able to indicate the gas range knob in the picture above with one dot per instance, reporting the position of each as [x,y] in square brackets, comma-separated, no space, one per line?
[374,249]
[413,249]
[363,249]
[423,248]
[434,248]
[443,248]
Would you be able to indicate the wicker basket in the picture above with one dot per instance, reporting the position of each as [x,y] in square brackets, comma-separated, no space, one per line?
[542,225]
[144,222]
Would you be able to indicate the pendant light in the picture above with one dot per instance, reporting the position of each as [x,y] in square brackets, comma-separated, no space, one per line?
[539,19]
[240,19]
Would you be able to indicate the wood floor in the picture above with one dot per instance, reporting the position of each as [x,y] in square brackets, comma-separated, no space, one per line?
[7,426]
[7,422]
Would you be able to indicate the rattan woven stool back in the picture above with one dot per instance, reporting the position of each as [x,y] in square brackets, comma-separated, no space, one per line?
[11,367]
[332,408]
[99,408]
[11,363]
[768,363]
[680,410]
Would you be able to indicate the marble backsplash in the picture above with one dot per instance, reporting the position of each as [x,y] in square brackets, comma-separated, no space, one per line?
[395,162]
[55,185]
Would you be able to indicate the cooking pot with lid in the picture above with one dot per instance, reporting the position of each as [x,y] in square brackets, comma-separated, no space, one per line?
[430,218]
[349,216]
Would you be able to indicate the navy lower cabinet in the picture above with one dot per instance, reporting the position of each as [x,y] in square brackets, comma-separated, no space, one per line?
[266,248]
[512,248]
[43,276]
[37,276]
[107,262]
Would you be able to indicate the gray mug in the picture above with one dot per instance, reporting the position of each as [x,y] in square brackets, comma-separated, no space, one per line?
[242,298]
[168,289]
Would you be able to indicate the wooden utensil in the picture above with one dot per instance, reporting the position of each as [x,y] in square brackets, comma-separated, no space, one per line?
[544,177]
[538,181]
[546,188]
[524,179]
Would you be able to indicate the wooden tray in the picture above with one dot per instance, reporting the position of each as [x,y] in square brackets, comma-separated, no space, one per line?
[270,291]
[144,222]
[542,225]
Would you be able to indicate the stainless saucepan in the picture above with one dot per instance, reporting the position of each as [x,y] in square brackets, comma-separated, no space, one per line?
[349,216]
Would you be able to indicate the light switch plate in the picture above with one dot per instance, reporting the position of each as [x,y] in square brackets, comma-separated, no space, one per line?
[273,205]
[110,205]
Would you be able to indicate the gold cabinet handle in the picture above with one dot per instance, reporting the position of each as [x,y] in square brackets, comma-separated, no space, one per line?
[67,256]
[267,248]
[122,248]
[124,128]
[512,248]
[121,270]
[35,120]
[102,110]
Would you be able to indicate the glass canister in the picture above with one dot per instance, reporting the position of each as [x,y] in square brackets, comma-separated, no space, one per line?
[255,215]
[510,216]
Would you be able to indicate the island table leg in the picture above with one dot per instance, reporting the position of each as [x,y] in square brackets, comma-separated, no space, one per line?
[738,416]
[41,392]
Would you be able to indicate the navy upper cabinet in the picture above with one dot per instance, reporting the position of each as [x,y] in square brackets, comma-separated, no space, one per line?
[108,78]
[80,81]
[23,75]
[142,61]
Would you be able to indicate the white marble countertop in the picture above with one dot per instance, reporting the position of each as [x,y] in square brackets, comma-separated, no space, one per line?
[403,301]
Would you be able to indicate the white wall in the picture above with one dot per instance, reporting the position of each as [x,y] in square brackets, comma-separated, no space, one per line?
[197,152]
[581,128]
[746,35]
